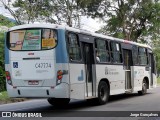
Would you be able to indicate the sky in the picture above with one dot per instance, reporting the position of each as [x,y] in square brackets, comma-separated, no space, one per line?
[4,12]
[86,23]
[91,24]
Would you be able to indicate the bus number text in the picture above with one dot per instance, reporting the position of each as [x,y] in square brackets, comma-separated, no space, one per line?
[43,65]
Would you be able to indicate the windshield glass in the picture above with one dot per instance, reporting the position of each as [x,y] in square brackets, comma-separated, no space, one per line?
[32,39]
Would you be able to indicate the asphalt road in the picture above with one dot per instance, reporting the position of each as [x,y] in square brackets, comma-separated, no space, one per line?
[125,102]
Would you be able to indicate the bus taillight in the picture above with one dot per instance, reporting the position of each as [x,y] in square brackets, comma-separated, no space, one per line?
[59,76]
[8,77]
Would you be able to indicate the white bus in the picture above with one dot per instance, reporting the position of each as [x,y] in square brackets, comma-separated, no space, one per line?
[62,63]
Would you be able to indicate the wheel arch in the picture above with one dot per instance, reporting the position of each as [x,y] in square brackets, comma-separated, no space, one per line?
[147,81]
[107,81]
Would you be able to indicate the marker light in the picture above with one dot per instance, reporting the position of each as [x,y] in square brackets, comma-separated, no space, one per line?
[8,77]
[59,76]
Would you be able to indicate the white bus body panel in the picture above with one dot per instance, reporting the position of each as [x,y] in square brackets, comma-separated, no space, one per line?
[25,67]
[114,74]
[60,91]
[139,74]
[46,76]
[77,81]
[57,91]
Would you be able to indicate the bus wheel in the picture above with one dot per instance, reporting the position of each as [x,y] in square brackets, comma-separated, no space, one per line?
[103,93]
[144,88]
[58,102]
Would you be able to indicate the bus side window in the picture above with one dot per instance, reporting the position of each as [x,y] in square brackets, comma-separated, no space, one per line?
[102,51]
[142,55]
[97,57]
[116,52]
[135,54]
[74,47]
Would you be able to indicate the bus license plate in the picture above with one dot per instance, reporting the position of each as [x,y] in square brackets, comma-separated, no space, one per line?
[33,82]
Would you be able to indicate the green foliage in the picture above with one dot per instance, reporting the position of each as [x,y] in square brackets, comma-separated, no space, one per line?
[158,80]
[92,7]
[7,23]
[30,11]
[4,96]
[2,71]
[133,19]
[65,12]
[157,54]
[52,11]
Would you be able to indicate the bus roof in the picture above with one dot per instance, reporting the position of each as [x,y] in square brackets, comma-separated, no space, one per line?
[75,30]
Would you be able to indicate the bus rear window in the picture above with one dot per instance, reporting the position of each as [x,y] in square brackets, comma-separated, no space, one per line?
[32,39]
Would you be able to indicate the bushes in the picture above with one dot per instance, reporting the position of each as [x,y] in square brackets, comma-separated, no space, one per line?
[2,71]
[5,23]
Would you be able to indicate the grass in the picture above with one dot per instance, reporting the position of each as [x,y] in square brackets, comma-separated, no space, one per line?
[4,98]
[158,80]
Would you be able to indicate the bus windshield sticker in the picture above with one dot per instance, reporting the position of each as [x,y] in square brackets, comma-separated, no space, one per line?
[48,43]
[16,39]
[49,38]
[32,40]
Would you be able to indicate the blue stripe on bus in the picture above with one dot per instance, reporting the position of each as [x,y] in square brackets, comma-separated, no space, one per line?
[61,50]
[6,51]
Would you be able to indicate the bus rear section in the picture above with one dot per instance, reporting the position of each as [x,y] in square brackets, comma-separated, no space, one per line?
[31,64]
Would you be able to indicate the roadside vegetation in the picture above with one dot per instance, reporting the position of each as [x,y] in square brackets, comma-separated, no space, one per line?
[158,81]
[4,24]
[4,98]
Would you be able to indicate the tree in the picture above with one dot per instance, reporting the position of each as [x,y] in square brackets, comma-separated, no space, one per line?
[2,73]
[30,11]
[128,19]
[53,11]
[4,22]
[156,50]
[26,11]
[12,12]
[65,12]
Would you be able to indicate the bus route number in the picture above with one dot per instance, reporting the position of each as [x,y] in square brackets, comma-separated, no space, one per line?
[43,65]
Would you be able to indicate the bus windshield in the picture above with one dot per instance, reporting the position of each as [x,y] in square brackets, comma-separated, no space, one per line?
[32,39]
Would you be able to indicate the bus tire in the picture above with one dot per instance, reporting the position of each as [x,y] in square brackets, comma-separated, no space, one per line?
[58,102]
[103,93]
[144,88]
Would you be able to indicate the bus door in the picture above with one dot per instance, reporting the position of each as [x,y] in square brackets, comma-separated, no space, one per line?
[89,69]
[127,67]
